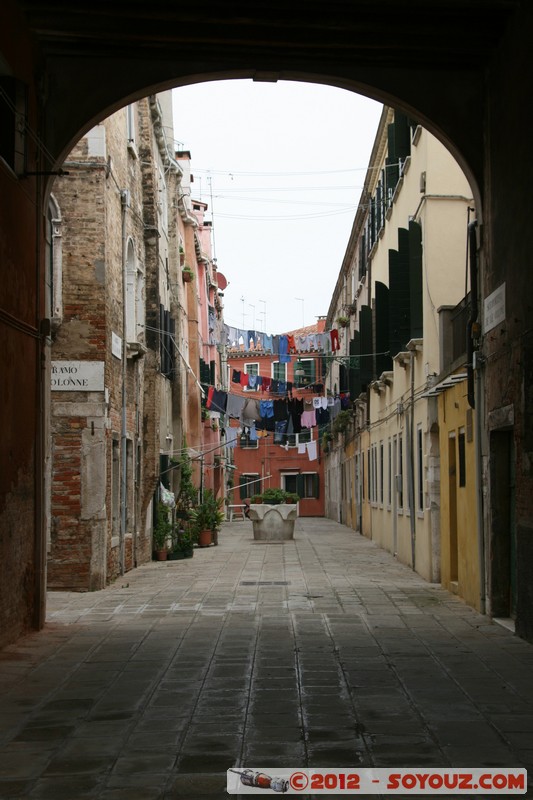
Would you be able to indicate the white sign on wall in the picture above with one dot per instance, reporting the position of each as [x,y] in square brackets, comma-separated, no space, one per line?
[77,376]
[116,345]
[494,309]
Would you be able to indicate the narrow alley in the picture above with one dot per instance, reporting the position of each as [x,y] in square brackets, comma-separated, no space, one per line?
[322,651]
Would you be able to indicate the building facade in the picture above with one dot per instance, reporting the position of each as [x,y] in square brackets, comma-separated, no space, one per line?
[405,262]
[114,291]
[269,443]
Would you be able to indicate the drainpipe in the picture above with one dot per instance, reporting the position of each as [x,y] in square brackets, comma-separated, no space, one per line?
[472,321]
[125,201]
[475,400]
[410,423]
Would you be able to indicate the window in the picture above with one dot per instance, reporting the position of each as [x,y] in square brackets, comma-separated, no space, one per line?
[308,485]
[131,274]
[420,458]
[161,199]
[373,493]
[249,485]
[304,372]
[462,457]
[389,476]
[279,371]
[304,484]
[131,125]
[369,472]
[381,472]
[135,297]
[247,443]
[400,471]
[167,331]
[115,486]
[294,439]
[251,369]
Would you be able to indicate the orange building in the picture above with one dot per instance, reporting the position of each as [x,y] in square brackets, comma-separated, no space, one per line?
[278,450]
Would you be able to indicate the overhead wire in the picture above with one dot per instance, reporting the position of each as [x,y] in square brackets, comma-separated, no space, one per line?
[232,173]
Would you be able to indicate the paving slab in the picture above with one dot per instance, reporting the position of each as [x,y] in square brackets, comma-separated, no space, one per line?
[322,651]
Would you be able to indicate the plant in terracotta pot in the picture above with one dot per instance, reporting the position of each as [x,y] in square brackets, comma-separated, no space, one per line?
[206,518]
[187,274]
[342,321]
[275,497]
[162,532]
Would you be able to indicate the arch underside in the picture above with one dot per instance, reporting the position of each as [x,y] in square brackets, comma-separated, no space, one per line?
[426,58]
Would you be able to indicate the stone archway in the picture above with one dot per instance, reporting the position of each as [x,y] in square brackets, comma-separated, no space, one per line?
[460,68]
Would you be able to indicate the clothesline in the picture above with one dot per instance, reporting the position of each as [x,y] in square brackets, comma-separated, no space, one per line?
[284,343]
[282,416]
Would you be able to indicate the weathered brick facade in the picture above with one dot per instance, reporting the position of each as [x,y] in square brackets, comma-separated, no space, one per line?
[115,234]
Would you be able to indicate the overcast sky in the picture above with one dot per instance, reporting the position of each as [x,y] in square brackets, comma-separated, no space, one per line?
[281,167]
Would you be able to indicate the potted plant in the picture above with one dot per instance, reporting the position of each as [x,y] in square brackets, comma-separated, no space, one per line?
[342,321]
[162,533]
[187,274]
[274,517]
[188,493]
[183,544]
[206,518]
[341,423]
[327,438]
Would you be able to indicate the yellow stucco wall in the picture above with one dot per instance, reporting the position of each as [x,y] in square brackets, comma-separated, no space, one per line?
[461,513]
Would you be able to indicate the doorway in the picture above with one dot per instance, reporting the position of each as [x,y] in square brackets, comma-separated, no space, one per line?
[503,525]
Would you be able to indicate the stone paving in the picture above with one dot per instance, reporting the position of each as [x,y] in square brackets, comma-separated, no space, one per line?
[323,651]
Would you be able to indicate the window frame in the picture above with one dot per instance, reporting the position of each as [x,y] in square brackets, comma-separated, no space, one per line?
[248,444]
[250,364]
[308,380]
[399,484]
[276,366]
[420,504]
[302,481]
[251,487]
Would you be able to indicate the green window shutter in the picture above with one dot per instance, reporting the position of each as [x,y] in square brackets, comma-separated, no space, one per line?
[300,486]
[392,173]
[212,373]
[383,362]
[343,378]
[362,256]
[205,373]
[316,485]
[379,207]
[399,319]
[354,380]
[172,347]
[402,136]
[365,332]
[415,280]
